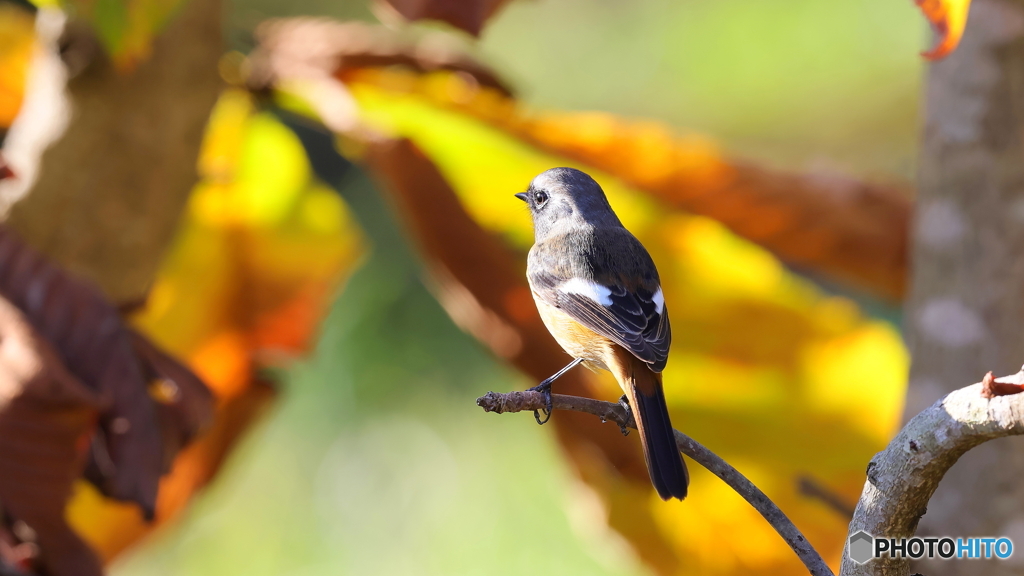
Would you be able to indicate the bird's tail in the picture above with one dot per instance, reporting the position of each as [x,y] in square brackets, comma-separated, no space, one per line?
[647,399]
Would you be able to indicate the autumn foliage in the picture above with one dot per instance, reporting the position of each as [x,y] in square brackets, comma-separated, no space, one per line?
[141,405]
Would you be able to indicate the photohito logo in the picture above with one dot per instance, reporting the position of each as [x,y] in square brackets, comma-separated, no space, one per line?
[864,547]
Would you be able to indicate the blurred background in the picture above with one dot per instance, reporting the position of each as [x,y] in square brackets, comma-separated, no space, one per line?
[722,132]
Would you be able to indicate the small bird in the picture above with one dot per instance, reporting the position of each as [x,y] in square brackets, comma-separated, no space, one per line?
[599,294]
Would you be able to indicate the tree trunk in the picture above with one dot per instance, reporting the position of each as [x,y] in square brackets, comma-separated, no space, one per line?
[966,305]
[111,189]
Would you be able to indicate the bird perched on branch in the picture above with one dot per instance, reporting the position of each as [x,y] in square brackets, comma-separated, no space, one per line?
[599,295]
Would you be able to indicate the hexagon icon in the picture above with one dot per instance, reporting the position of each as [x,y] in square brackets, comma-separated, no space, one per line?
[860,548]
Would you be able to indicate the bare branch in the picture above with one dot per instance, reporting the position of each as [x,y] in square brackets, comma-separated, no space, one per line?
[903,477]
[529,400]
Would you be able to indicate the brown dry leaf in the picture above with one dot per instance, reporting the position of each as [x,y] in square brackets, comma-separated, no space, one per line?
[850,231]
[46,418]
[184,403]
[302,46]
[135,437]
[110,527]
[469,15]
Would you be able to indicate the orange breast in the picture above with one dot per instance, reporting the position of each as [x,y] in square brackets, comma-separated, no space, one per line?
[576,339]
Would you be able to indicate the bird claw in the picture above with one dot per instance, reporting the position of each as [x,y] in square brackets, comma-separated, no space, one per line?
[545,389]
[624,402]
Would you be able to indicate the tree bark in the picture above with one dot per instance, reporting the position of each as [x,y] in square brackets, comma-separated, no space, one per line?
[966,303]
[903,477]
[110,191]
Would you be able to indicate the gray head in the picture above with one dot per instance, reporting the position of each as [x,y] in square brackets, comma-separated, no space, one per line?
[563,198]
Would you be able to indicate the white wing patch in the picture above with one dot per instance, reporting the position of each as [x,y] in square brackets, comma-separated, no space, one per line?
[659,300]
[588,289]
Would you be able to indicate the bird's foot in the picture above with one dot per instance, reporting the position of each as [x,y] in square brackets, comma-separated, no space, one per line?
[624,402]
[545,389]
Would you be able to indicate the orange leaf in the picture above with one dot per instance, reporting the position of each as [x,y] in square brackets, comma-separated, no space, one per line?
[854,232]
[948,18]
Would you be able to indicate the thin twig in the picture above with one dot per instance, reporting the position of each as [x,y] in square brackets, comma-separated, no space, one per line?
[811,488]
[529,400]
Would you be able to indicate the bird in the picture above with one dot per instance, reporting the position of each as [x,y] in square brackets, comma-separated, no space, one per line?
[599,294]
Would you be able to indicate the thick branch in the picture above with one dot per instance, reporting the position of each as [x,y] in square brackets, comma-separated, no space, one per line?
[903,477]
[529,400]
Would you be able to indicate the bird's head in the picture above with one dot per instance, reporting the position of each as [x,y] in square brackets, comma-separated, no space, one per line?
[563,198]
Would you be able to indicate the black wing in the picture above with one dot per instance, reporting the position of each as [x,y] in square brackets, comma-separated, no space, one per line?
[631,318]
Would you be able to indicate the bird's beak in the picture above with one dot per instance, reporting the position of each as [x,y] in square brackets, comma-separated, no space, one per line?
[523,196]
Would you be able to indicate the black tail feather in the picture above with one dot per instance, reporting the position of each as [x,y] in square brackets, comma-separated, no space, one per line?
[664,462]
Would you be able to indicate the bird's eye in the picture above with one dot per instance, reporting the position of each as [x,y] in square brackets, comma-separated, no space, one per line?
[540,198]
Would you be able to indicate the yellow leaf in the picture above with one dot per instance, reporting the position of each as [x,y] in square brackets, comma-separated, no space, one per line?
[852,231]
[261,251]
